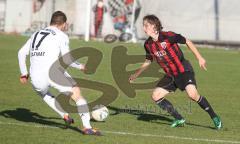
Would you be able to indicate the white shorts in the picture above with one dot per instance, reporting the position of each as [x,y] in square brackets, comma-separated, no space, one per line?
[42,83]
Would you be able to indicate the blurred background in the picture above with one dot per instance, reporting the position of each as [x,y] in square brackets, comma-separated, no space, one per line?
[204,21]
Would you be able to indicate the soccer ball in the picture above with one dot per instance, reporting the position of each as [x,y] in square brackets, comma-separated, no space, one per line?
[100,113]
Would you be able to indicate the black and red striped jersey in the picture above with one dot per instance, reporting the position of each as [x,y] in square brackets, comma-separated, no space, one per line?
[167,53]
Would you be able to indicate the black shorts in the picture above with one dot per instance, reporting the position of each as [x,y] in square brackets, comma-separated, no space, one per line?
[180,81]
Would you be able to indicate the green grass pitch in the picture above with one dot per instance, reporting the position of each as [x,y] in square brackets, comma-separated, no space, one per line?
[24,118]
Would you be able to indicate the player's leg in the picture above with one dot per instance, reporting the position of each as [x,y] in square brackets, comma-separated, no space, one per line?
[189,84]
[81,103]
[163,88]
[40,85]
[53,103]
[50,100]
[83,111]
[203,103]
[82,107]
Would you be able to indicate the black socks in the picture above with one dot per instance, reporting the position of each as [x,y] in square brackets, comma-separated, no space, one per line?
[166,105]
[203,103]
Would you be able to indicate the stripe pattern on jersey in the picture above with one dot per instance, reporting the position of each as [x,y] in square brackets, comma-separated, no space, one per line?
[168,55]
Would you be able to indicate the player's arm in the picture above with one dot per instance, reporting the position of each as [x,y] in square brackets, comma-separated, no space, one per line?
[22,54]
[64,50]
[143,67]
[178,38]
[201,60]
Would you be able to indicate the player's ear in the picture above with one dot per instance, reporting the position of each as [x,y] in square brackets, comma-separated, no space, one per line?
[65,26]
[155,29]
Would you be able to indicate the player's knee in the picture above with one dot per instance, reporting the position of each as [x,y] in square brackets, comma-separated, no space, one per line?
[194,96]
[76,90]
[192,92]
[76,97]
[157,94]
[76,93]
[41,93]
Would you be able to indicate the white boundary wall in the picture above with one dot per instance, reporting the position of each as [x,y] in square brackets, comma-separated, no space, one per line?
[194,19]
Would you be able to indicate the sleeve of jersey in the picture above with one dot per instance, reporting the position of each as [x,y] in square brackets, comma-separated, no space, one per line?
[64,50]
[148,55]
[22,54]
[176,38]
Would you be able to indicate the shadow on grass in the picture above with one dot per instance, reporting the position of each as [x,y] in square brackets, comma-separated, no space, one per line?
[27,116]
[150,117]
[198,125]
[142,115]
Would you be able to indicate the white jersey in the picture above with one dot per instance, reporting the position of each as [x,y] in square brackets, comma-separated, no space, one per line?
[45,47]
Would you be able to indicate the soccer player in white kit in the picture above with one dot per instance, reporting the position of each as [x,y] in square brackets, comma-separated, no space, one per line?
[45,47]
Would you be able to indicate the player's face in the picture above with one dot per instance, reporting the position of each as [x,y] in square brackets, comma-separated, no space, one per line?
[149,29]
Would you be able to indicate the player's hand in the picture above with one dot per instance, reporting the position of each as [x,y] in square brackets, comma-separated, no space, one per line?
[202,63]
[132,78]
[83,68]
[24,79]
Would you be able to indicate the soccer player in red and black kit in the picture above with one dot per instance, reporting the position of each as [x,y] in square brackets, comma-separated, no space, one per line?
[163,47]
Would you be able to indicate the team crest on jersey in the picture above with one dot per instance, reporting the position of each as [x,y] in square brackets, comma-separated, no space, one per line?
[163,45]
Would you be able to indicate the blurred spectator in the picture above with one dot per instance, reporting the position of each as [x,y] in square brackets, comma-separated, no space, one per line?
[120,23]
[37,5]
[99,9]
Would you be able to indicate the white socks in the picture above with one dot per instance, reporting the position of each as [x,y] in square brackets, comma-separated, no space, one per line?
[51,101]
[84,113]
[82,109]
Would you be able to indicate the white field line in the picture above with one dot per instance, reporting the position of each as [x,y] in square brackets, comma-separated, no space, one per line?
[133,134]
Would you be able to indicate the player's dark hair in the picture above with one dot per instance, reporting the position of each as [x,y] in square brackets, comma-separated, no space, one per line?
[58,18]
[152,19]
